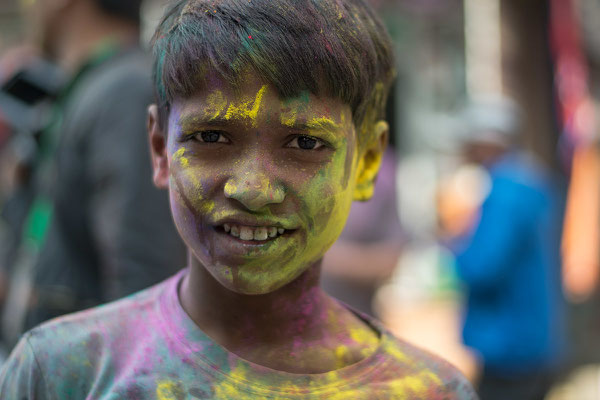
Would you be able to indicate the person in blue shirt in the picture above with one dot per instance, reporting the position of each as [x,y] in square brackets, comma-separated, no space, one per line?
[510,262]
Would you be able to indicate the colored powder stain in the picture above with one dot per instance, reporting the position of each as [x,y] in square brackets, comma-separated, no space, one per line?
[248,109]
[415,385]
[215,105]
[169,390]
[288,118]
[323,123]
[226,390]
[294,105]
[208,206]
[178,156]
[191,176]
[367,170]
[366,339]
[398,354]
[341,354]
[230,188]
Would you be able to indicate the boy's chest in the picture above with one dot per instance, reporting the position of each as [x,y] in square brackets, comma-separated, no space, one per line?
[192,383]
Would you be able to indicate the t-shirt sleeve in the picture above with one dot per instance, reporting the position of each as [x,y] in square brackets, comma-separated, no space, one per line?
[461,387]
[21,376]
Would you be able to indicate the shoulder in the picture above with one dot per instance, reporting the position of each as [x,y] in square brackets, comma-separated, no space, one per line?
[70,353]
[125,71]
[63,357]
[73,349]
[521,171]
[118,85]
[422,374]
[114,317]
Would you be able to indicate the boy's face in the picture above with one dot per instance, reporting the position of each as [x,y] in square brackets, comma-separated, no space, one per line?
[260,187]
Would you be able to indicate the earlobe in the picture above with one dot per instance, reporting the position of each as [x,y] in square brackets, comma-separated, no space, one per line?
[158,149]
[370,161]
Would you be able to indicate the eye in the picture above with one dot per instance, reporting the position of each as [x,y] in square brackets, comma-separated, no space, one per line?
[209,137]
[305,143]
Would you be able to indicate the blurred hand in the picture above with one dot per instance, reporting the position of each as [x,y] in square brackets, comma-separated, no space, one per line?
[580,279]
[459,198]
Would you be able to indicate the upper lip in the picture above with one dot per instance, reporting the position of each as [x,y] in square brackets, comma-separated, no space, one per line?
[252,222]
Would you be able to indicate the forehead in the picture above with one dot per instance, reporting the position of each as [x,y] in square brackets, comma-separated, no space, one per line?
[256,101]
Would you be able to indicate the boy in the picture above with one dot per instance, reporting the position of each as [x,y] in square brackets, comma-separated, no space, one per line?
[267,126]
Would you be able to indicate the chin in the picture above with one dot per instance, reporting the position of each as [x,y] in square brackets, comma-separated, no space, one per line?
[247,281]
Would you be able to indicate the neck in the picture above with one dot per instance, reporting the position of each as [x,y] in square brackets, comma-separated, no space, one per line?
[291,311]
[82,35]
[297,328]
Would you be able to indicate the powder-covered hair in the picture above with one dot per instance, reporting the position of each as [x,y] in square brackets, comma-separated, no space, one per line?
[337,48]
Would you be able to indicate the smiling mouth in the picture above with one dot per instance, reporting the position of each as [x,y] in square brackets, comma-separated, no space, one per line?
[253,233]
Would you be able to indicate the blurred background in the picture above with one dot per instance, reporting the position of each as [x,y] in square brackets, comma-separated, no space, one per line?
[482,241]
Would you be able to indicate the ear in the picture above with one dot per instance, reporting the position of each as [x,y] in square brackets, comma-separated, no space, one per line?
[370,160]
[158,149]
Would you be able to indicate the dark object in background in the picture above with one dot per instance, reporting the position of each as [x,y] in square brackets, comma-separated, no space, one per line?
[26,101]
[22,94]
[25,107]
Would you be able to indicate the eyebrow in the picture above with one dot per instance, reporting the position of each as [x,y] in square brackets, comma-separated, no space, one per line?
[193,120]
[327,126]
[320,123]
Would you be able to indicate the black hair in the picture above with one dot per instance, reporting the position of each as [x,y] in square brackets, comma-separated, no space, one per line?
[328,47]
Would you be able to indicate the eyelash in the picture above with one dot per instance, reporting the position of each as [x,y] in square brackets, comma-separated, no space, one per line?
[320,143]
[197,136]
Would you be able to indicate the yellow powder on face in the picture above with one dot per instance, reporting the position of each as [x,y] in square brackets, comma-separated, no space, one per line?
[178,156]
[187,172]
[288,118]
[208,206]
[215,105]
[323,123]
[248,109]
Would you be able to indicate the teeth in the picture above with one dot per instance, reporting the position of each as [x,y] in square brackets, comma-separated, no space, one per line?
[246,233]
[260,234]
[253,233]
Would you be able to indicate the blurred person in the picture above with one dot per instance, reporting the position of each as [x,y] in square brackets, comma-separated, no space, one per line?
[510,261]
[96,228]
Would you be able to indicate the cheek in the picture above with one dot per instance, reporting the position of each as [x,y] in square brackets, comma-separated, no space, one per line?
[189,206]
[328,198]
[188,186]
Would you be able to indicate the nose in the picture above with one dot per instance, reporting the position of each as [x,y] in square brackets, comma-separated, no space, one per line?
[254,190]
